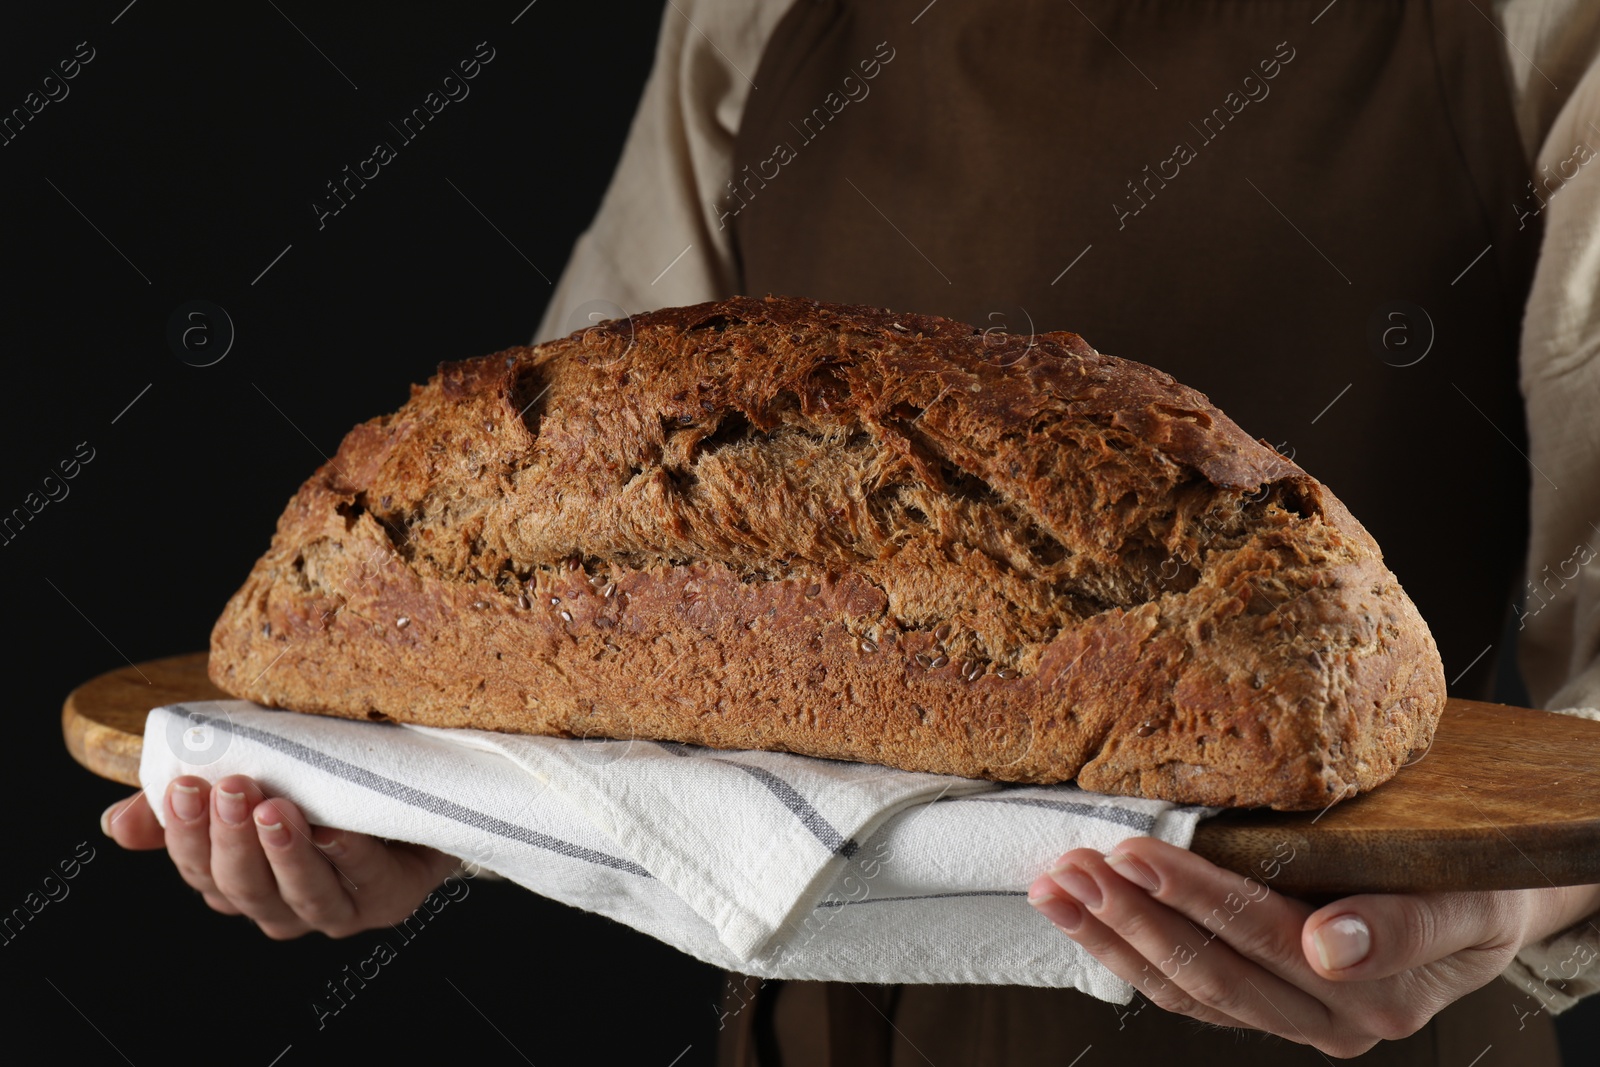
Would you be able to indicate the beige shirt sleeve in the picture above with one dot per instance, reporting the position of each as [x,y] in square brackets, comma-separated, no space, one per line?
[1560,624]
[1549,45]
[657,240]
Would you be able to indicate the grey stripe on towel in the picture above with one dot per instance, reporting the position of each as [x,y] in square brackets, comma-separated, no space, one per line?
[809,816]
[1136,820]
[406,794]
[927,896]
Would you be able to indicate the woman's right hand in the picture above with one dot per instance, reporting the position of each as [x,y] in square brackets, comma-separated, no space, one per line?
[258,857]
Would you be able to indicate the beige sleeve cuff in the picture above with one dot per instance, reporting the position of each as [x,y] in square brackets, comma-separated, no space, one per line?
[1559,971]
[1564,968]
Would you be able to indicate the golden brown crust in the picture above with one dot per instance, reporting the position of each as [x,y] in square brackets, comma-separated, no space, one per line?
[849,533]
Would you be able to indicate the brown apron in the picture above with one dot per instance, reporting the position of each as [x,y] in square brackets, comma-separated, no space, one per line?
[1304,209]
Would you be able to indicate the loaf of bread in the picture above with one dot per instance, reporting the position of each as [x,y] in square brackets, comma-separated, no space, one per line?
[848,533]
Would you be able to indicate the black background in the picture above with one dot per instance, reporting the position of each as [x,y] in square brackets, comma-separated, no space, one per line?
[196,141]
[185,159]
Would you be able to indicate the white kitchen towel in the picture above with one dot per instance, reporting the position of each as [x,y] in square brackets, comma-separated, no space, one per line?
[768,863]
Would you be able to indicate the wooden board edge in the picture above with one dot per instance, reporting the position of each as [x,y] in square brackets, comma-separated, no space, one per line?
[1551,855]
[98,748]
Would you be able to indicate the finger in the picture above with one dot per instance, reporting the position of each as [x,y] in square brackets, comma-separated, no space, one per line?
[385,879]
[219,903]
[131,823]
[188,833]
[238,864]
[1366,937]
[1206,969]
[1105,945]
[307,882]
[1258,924]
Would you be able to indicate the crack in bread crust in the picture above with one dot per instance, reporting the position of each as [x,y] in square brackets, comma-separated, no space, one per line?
[849,533]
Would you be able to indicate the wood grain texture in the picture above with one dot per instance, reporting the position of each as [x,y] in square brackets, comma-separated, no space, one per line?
[103,719]
[1507,798]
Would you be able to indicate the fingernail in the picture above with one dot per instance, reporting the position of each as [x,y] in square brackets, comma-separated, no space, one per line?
[272,833]
[330,847]
[1077,883]
[230,807]
[185,802]
[1062,912]
[1138,873]
[1342,942]
[1065,916]
[105,818]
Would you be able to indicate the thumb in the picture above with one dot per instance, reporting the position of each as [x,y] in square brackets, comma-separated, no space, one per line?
[1367,937]
[131,824]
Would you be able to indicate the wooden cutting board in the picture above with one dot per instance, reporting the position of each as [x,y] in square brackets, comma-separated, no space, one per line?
[1507,798]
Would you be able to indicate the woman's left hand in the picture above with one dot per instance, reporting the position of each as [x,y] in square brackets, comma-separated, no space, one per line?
[1224,949]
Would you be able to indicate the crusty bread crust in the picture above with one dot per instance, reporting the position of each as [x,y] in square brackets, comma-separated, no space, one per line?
[849,533]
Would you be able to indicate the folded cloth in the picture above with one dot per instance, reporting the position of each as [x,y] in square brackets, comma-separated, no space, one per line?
[768,863]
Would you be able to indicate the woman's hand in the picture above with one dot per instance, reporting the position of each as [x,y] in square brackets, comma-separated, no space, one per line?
[251,856]
[1221,948]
